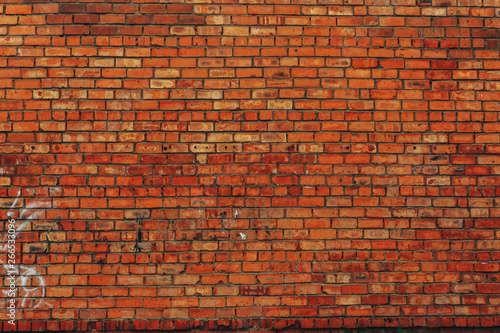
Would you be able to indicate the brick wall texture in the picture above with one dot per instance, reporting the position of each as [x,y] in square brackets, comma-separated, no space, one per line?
[251,164]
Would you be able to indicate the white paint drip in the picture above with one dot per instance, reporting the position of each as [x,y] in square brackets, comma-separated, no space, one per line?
[15,202]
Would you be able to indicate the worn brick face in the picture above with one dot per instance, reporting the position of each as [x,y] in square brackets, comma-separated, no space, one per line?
[251,165]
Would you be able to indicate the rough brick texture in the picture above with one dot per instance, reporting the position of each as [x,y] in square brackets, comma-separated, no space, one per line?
[209,165]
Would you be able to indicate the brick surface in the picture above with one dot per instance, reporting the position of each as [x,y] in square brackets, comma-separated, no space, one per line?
[250,165]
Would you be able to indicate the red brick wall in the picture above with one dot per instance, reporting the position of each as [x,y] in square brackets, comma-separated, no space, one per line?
[225,164]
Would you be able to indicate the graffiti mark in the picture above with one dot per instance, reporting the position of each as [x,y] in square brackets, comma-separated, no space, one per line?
[138,241]
[30,284]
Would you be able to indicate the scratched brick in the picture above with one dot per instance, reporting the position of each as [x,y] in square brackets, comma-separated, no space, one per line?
[253,290]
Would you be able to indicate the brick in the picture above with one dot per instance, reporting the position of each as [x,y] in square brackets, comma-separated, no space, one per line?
[179,9]
[18,9]
[72,8]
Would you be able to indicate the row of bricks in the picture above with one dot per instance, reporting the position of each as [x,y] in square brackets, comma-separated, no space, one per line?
[277,273]
[211,25]
[294,292]
[458,324]
[277,269]
[370,229]
[132,24]
[462,8]
[279,241]
[219,80]
[269,44]
[262,99]
[378,239]
[269,138]
[109,178]
[149,120]
[407,38]
[261,198]
[201,263]
[229,262]
[296,133]
[285,244]
[406,218]
[292,191]
[277,67]
[194,213]
[337,325]
[338,94]
[207,305]
[308,227]
[310,193]
[228,89]
[452,8]
[270,311]
[406,191]
[208,184]
[273,272]
[232,141]
[255,88]
[436,99]
[293,196]
[206,257]
[128,67]
[461,47]
[136,269]
[344,37]
[127,252]
[251,105]
[283,174]
[267,310]
[337,67]
[350,247]
[347,235]
[279,156]
[247,174]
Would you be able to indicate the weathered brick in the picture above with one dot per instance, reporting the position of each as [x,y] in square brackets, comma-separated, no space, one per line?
[313,166]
